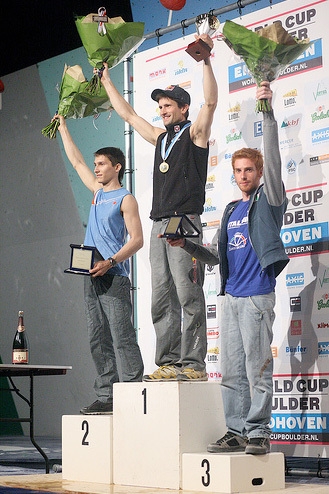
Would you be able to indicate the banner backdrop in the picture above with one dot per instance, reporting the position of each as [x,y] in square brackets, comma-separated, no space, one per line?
[300,418]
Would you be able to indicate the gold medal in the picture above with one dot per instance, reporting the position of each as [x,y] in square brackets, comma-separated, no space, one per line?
[164,167]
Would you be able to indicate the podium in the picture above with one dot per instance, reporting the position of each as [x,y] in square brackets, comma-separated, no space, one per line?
[157,437]
[235,472]
[87,448]
[155,423]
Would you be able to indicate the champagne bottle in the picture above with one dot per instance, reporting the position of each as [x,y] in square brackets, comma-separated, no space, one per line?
[20,343]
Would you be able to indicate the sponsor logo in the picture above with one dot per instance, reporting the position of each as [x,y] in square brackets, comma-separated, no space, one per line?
[212,334]
[325,278]
[211,311]
[323,347]
[233,181]
[213,160]
[158,74]
[181,69]
[318,160]
[295,279]
[320,114]
[211,179]
[294,122]
[295,327]
[291,166]
[295,304]
[323,325]
[233,112]
[212,358]
[296,349]
[258,128]
[214,350]
[320,135]
[214,375]
[320,91]
[290,94]
[288,102]
[208,206]
[233,136]
[323,303]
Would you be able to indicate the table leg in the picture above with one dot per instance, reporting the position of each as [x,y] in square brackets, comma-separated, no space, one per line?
[33,441]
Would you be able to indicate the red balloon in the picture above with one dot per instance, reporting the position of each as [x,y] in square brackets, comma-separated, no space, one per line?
[173,4]
[2,86]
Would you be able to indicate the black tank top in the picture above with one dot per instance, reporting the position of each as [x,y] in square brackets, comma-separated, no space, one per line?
[181,190]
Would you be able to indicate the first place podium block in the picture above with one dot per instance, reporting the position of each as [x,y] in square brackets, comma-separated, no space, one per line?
[235,472]
[87,448]
[155,423]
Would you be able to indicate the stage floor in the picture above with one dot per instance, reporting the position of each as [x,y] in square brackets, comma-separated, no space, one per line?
[22,466]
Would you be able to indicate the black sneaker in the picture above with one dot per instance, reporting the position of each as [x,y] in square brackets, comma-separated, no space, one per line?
[228,444]
[98,408]
[258,446]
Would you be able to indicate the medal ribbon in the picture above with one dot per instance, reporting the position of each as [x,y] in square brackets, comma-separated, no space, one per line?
[165,153]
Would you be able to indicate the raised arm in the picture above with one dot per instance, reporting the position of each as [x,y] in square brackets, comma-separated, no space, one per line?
[126,111]
[201,128]
[75,157]
[272,174]
[129,209]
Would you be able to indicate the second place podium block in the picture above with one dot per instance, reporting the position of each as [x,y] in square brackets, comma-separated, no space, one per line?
[87,448]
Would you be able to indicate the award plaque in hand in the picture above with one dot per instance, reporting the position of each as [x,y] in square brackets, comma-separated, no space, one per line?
[205,24]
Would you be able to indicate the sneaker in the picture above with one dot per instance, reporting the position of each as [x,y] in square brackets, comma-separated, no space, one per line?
[258,446]
[228,444]
[189,374]
[163,373]
[98,408]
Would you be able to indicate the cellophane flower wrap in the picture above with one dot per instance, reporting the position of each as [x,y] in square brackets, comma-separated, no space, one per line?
[118,41]
[75,101]
[266,52]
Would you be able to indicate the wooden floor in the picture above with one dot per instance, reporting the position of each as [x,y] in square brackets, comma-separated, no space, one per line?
[54,483]
[21,466]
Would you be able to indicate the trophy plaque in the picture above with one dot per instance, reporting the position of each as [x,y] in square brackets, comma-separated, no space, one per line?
[205,24]
[82,259]
[180,226]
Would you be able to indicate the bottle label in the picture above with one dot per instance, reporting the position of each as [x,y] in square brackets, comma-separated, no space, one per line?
[20,329]
[20,356]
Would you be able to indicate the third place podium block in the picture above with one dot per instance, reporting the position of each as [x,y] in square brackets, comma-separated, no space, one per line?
[235,472]
[155,423]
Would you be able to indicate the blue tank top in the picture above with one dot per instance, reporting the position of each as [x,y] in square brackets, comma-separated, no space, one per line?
[246,277]
[106,228]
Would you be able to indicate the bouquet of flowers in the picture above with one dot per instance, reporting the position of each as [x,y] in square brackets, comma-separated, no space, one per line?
[107,40]
[75,101]
[266,52]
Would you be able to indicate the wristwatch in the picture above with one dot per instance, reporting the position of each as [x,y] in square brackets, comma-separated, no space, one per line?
[112,261]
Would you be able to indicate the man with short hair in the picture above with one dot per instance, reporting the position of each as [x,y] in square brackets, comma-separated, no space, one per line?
[250,252]
[179,178]
[113,216]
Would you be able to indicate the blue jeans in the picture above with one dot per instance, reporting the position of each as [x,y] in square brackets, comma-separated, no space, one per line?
[247,363]
[177,293]
[111,333]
